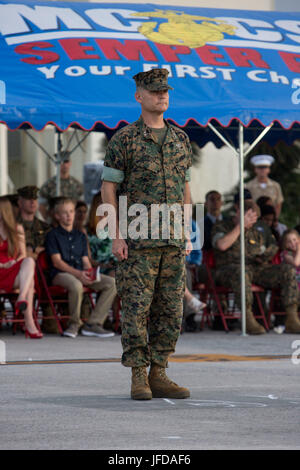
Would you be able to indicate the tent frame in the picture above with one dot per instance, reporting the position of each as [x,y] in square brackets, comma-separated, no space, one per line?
[57,159]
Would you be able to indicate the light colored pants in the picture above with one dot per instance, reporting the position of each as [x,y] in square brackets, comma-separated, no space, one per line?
[106,286]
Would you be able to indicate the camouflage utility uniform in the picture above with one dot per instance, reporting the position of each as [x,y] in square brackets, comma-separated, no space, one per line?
[151,281]
[35,232]
[69,187]
[259,269]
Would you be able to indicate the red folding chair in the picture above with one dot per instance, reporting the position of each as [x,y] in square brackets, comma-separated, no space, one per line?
[275,306]
[8,315]
[201,289]
[53,295]
[214,292]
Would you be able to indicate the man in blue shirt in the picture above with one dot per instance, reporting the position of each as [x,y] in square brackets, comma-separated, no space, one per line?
[71,269]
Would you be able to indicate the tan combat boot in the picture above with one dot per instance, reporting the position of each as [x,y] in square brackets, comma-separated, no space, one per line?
[162,387]
[292,323]
[140,389]
[252,326]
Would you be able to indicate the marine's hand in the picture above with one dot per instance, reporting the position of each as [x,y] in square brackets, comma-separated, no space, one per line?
[250,218]
[120,249]
[188,247]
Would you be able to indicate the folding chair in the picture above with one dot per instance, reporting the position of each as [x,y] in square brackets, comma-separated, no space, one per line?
[8,299]
[215,292]
[275,306]
[8,316]
[53,295]
[201,289]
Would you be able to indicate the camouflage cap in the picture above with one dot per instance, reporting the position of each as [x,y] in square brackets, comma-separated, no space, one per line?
[28,192]
[153,80]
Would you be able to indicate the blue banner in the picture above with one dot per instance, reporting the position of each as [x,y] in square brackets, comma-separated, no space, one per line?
[72,63]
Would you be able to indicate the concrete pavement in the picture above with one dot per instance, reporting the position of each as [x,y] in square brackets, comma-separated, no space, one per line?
[62,393]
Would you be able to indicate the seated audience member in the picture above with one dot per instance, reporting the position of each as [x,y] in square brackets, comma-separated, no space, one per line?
[71,269]
[101,248]
[264,201]
[291,250]
[277,227]
[81,213]
[259,270]
[35,229]
[268,215]
[213,204]
[264,226]
[16,270]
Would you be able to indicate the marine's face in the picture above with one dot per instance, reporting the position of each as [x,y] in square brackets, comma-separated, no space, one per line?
[65,168]
[153,101]
[262,170]
[29,206]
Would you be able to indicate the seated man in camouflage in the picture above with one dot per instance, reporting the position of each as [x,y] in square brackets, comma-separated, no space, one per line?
[35,229]
[259,267]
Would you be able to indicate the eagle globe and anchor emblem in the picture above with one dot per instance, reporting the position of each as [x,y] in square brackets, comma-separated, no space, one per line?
[182,29]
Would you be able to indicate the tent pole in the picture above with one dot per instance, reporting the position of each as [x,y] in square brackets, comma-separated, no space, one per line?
[258,139]
[242,226]
[225,141]
[3,161]
[58,163]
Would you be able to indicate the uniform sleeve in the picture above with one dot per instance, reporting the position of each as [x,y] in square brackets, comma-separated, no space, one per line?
[189,151]
[80,189]
[188,175]
[280,197]
[114,161]
[218,231]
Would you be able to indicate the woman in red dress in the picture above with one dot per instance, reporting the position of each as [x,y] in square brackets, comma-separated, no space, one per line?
[16,270]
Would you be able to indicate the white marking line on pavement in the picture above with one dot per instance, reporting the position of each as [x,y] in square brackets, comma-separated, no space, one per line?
[171,437]
[271,397]
[169,401]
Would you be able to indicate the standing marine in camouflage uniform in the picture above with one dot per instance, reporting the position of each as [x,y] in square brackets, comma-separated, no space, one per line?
[148,162]
[70,187]
[259,268]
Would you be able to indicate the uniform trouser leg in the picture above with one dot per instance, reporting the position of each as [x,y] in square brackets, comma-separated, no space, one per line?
[167,306]
[136,279]
[75,294]
[230,276]
[107,288]
[280,276]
